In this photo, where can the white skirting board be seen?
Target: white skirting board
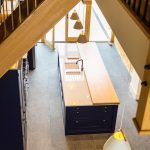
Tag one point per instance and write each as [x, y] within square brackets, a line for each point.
[135, 85]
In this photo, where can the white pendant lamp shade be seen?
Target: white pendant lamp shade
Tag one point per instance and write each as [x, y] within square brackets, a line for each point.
[117, 142]
[78, 25]
[74, 16]
[82, 38]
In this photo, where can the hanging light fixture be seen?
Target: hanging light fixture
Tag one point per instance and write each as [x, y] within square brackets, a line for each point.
[74, 15]
[78, 25]
[82, 37]
[118, 140]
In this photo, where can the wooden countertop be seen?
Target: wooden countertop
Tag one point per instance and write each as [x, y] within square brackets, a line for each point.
[93, 86]
[75, 88]
[100, 85]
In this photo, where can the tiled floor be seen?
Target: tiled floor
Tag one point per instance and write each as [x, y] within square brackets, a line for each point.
[45, 123]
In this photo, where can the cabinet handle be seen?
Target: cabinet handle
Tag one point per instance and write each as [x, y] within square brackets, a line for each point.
[77, 112]
[104, 120]
[77, 108]
[105, 111]
[147, 67]
[144, 83]
[77, 121]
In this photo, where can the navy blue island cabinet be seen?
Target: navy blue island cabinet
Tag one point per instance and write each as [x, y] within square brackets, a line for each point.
[89, 119]
[84, 119]
[13, 124]
[89, 100]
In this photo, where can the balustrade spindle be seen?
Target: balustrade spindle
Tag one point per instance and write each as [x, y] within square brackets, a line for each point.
[35, 3]
[147, 15]
[27, 7]
[137, 6]
[4, 20]
[12, 15]
[0, 13]
[143, 8]
[6, 11]
[19, 11]
[132, 4]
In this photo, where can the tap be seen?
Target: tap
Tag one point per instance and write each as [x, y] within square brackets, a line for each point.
[81, 63]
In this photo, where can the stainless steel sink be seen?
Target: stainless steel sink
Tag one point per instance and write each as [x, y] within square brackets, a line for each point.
[71, 67]
[72, 70]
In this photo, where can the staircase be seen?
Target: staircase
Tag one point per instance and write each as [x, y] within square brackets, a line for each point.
[132, 32]
[25, 25]
[141, 10]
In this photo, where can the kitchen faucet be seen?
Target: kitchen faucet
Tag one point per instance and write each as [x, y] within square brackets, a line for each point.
[81, 63]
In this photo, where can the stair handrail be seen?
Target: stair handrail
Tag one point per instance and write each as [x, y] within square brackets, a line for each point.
[7, 8]
[141, 10]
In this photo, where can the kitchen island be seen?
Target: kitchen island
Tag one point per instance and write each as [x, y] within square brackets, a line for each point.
[89, 100]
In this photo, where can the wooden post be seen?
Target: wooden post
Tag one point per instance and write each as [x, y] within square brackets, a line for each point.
[66, 27]
[53, 39]
[142, 120]
[112, 38]
[88, 19]
[67, 38]
[51, 44]
[43, 39]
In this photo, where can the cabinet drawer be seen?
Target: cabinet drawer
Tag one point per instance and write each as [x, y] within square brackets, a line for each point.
[90, 119]
[89, 112]
[86, 123]
[88, 126]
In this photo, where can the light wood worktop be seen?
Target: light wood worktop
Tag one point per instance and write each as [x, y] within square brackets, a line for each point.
[93, 86]
[100, 85]
[75, 88]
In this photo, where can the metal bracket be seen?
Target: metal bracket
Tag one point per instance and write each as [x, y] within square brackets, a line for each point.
[144, 83]
[147, 67]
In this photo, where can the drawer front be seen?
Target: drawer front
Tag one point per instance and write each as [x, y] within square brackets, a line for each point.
[86, 123]
[90, 112]
[90, 119]
[82, 126]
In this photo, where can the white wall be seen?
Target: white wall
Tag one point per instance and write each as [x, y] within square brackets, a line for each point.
[133, 40]
[135, 84]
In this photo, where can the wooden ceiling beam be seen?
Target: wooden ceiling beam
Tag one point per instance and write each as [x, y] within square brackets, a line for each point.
[142, 120]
